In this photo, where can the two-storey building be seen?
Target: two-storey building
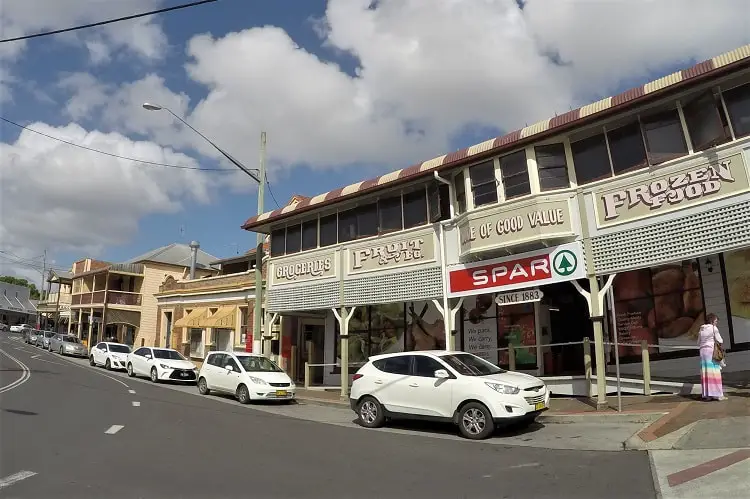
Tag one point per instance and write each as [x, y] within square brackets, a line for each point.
[55, 307]
[627, 219]
[116, 300]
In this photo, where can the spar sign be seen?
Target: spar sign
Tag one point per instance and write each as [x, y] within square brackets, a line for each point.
[547, 266]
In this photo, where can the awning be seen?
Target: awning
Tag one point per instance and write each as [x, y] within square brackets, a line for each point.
[196, 318]
[224, 318]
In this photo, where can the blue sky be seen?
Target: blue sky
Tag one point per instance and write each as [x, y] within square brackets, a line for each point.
[527, 89]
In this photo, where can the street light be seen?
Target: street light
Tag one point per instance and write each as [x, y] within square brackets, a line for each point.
[260, 178]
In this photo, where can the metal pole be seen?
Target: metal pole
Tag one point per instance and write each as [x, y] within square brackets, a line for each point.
[41, 289]
[611, 300]
[258, 314]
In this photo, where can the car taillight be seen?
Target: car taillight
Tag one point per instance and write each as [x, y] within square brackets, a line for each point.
[356, 377]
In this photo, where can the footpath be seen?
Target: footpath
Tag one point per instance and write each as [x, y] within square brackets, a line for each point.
[697, 449]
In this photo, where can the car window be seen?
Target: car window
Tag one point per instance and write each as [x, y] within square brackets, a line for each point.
[255, 364]
[394, 365]
[426, 366]
[49, 335]
[470, 365]
[119, 348]
[216, 359]
[160, 353]
[141, 351]
[70, 339]
[229, 361]
[101, 346]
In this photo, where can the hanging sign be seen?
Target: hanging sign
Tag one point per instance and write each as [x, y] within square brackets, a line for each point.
[520, 296]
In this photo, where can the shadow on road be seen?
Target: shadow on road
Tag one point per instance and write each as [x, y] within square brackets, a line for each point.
[20, 412]
[450, 429]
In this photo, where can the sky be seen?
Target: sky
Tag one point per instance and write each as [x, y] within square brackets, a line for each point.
[345, 90]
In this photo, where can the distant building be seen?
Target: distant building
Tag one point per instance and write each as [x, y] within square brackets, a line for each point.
[16, 306]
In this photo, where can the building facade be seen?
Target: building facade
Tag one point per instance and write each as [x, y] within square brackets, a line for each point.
[16, 306]
[55, 307]
[626, 220]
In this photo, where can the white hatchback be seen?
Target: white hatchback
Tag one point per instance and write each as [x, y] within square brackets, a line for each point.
[247, 376]
[455, 387]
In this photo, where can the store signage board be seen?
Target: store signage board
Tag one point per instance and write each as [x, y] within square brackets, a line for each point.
[384, 254]
[661, 194]
[551, 265]
[520, 296]
[298, 270]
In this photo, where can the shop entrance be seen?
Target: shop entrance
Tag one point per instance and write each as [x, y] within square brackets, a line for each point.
[569, 321]
[310, 347]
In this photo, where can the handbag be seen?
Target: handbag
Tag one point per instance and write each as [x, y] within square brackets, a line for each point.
[718, 354]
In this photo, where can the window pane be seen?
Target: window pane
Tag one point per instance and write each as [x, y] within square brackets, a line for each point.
[310, 234]
[293, 239]
[347, 225]
[626, 148]
[389, 212]
[738, 105]
[590, 159]
[415, 208]
[664, 137]
[552, 167]
[439, 203]
[397, 365]
[704, 123]
[460, 188]
[328, 230]
[367, 220]
[278, 242]
[426, 366]
[483, 184]
[515, 175]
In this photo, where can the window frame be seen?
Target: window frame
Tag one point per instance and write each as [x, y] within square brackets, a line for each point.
[563, 167]
[483, 183]
[524, 171]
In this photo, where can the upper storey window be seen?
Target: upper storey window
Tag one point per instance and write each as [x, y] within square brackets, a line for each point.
[552, 167]
[591, 159]
[483, 183]
[738, 107]
[706, 123]
[664, 138]
[460, 189]
[515, 174]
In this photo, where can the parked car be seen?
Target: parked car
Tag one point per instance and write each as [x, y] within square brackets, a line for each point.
[67, 344]
[35, 336]
[161, 364]
[20, 328]
[456, 387]
[4, 327]
[246, 376]
[46, 337]
[110, 355]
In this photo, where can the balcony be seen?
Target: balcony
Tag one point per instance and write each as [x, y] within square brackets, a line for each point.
[217, 283]
[95, 298]
[123, 298]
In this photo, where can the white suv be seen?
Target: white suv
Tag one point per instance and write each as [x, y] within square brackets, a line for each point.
[455, 387]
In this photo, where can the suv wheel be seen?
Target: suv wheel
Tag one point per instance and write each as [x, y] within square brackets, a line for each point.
[475, 421]
[370, 413]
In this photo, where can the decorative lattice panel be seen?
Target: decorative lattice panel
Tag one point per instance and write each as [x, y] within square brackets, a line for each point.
[711, 231]
[403, 286]
[310, 297]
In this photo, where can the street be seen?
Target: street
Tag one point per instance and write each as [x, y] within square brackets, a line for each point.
[69, 430]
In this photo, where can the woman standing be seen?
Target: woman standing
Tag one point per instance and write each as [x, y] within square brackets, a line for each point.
[708, 338]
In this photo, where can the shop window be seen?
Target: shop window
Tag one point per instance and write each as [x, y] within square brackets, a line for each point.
[479, 321]
[661, 305]
[278, 242]
[438, 201]
[196, 343]
[367, 220]
[515, 326]
[483, 183]
[591, 159]
[415, 208]
[460, 188]
[706, 122]
[347, 225]
[328, 230]
[626, 148]
[737, 101]
[664, 137]
[243, 325]
[515, 174]
[552, 167]
[373, 330]
[293, 239]
[389, 214]
[738, 291]
[310, 235]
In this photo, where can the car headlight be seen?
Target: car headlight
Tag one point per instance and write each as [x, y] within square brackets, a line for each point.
[505, 389]
[164, 366]
[257, 381]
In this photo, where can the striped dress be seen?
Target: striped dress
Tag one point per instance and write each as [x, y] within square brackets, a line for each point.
[711, 386]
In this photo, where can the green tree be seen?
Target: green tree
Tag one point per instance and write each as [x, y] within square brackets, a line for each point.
[22, 282]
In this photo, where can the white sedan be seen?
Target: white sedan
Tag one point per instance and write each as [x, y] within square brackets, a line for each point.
[110, 355]
[246, 376]
[161, 364]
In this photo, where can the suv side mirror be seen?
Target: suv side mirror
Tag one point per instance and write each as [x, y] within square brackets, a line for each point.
[228, 367]
[442, 374]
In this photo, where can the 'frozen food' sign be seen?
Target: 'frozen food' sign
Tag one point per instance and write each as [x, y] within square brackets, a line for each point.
[669, 191]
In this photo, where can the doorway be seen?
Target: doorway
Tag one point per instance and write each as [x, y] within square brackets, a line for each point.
[311, 347]
[569, 322]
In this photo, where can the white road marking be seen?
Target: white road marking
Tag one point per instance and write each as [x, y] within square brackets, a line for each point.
[16, 477]
[524, 465]
[131, 392]
[20, 381]
[136, 404]
[93, 369]
[36, 357]
[114, 429]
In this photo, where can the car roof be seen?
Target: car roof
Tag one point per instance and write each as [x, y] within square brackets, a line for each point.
[434, 353]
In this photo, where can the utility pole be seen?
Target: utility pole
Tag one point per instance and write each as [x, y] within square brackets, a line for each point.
[258, 313]
[41, 289]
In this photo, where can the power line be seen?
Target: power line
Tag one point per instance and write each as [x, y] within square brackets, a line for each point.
[99, 151]
[271, 193]
[110, 21]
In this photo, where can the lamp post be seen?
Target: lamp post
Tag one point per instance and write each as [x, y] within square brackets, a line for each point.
[260, 177]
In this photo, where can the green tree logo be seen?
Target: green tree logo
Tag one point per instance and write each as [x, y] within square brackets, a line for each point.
[565, 263]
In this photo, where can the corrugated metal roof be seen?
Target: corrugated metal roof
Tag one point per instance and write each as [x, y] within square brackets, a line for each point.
[175, 254]
[511, 140]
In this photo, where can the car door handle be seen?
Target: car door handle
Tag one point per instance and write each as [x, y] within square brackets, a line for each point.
[378, 381]
[413, 385]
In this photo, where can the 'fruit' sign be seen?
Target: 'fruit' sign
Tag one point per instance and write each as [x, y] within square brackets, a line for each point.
[559, 264]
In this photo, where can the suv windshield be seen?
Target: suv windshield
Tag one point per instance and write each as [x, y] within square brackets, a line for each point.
[168, 354]
[70, 339]
[253, 364]
[119, 348]
[470, 365]
[49, 334]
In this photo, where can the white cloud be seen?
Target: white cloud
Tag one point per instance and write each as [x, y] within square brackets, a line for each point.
[67, 199]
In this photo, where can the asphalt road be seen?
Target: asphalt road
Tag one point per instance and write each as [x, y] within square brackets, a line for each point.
[177, 445]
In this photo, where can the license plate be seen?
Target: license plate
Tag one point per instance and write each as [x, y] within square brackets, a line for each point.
[539, 406]
[281, 393]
